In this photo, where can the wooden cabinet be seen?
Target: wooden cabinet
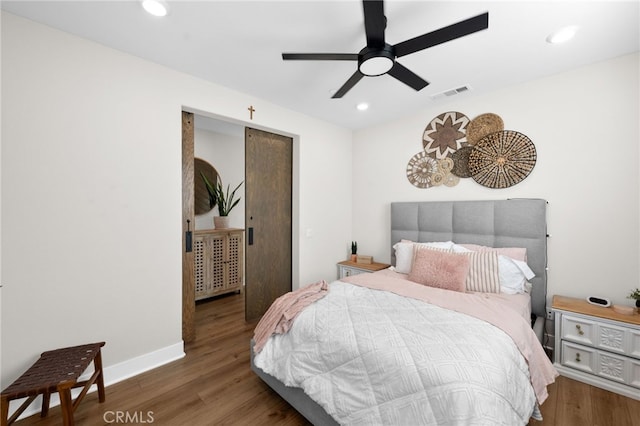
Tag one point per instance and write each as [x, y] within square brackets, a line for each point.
[597, 345]
[348, 268]
[219, 261]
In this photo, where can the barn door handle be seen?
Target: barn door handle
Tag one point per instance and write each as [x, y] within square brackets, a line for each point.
[250, 237]
[188, 236]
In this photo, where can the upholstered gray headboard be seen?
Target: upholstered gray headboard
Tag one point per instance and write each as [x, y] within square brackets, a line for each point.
[499, 223]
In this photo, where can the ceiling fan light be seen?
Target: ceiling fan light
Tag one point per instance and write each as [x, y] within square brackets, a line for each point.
[155, 7]
[376, 65]
[562, 35]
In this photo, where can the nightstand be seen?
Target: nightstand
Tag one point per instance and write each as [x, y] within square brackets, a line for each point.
[597, 345]
[348, 268]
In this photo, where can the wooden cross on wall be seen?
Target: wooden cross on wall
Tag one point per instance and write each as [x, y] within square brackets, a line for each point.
[251, 111]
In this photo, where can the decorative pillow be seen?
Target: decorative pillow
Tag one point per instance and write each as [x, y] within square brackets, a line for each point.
[513, 274]
[483, 273]
[517, 253]
[439, 269]
[405, 253]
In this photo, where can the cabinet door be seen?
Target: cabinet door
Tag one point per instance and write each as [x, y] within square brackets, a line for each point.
[209, 264]
[234, 261]
[215, 268]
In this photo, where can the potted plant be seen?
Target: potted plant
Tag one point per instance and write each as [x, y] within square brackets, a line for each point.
[225, 201]
[635, 294]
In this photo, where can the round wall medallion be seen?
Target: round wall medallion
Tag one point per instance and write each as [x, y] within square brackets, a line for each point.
[445, 134]
[483, 125]
[502, 159]
[445, 164]
[461, 162]
[451, 180]
[420, 170]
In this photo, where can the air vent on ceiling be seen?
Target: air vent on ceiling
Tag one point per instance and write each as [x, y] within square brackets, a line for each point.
[451, 92]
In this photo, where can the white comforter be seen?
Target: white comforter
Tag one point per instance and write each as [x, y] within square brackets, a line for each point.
[371, 357]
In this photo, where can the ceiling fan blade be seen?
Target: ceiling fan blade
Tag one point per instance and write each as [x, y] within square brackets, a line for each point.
[320, 56]
[374, 22]
[451, 32]
[348, 85]
[407, 76]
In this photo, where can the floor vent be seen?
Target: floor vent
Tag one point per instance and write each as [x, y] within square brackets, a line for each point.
[451, 92]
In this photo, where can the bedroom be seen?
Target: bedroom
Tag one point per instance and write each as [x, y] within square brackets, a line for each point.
[111, 122]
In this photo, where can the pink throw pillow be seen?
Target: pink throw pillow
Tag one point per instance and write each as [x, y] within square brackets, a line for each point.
[439, 269]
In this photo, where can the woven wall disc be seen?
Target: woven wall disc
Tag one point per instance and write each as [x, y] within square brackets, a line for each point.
[420, 170]
[461, 162]
[437, 178]
[451, 180]
[445, 164]
[483, 125]
[502, 159]
[445, 134]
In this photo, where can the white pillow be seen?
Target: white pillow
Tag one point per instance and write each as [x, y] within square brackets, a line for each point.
[405, 251]
[404, 257]
[514, 275]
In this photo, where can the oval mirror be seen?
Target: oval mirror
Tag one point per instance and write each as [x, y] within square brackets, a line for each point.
[201, 196]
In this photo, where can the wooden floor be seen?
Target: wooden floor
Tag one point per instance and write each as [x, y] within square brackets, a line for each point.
[213, 385]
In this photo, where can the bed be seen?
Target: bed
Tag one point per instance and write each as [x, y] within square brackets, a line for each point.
[381, 320]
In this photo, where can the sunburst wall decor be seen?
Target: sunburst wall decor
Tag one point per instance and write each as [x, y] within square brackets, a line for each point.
[456, 147]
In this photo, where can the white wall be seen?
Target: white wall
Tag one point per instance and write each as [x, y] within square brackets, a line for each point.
[91, 195]
[584, 124]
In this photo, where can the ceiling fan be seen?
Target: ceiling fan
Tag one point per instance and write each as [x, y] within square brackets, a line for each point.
[379, 58]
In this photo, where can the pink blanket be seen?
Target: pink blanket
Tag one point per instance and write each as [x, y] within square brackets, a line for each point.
[280, 316]
[541, 370]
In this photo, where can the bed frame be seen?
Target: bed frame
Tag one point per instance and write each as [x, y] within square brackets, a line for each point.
[498, 223]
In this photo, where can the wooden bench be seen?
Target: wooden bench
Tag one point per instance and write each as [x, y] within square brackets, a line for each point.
[56, 371]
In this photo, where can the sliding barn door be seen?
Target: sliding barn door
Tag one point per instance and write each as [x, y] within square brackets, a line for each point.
[268, 179]
[188, 224]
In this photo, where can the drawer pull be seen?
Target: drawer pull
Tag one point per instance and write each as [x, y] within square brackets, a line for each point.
[580, 332]
[577, 356]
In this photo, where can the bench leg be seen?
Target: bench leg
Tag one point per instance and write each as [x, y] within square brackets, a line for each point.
[97, 365]
[45, 404]
[66, 404]
[4, 411]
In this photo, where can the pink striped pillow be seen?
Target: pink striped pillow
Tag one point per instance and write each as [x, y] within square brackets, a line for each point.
[517, 253]
[483, 273]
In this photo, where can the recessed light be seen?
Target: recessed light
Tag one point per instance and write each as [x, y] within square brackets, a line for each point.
[562, 35]
[155, 7]
[362, 106]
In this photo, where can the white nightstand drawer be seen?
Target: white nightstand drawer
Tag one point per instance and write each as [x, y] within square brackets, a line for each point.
[634, 376]
[612, 338]
[578, 330]
[612, 367]
[347, 272]
[578, 357]
[634, 343]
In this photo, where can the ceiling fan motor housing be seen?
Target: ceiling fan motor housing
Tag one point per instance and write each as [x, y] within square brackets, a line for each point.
[376, 61]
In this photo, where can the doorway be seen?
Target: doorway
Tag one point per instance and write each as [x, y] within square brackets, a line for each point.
[189, 136]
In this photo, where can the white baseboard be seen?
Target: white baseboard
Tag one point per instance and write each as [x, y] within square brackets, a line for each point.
[112, 374]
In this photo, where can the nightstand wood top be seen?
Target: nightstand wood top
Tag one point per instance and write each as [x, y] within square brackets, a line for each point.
[375, 266]
[581, 306]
